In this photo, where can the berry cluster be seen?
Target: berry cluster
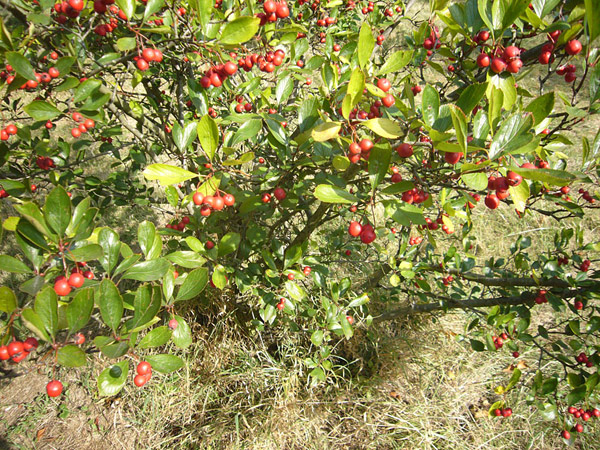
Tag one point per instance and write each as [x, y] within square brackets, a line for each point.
[211, 203]
[217, 74]
[180, 226]
[541, 297]
[148, 55]
[586, 196]
[44, 77]
[365, 232]
[17, 351]
[580, 414]
[84, 125]
[585, 265]
[359, 150]
[44, 162]
[568, 71]
[281, 304]
[242, 105]
[582, 358]
[503, 412]
[499, 340]
[266, 63]
[367, 9]
[5, 133]
[415, 195]
[144, 370]
[273, 11]
[63, 285]
[415, 240]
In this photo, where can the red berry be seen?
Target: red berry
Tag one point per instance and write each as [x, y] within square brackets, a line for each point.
[76, 280]
[4, 355]
[279, 194]
[30, 344]
[15, 348]
[140, 380]
[62, 288]
[573, 47]
[54, 388]
[173, 324]
[144, 368]
[565, 434]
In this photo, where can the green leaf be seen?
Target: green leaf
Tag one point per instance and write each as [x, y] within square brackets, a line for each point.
[155, 338]
[248, 130]
[20, 64]
[541, 107]
[46, 307]
[396, 62]
[85, 89]
[88, 252]
[34, 323]
[476, 181]
[194, 283]
[113, 379]
[41, 110]
[430, 105]
[514, 132]
[8, 300]
[229, 243]
[165, 363]
[10, 264]
[471, 96]
[519, 195]
[460, 126]
[186, 258]
[78, 216]
[385, 128]
[514, 379]
[437, 5]
[80, 309]
[172, 196]
[167, 174]
[346, 326]
[146, 234]
[125, 44]
[511, 10]
[592, 18]
[70, 356]
[359, 301]
[404, 214]
[205, 8]
[478, 346]
[183, 137]
[317, 337]
[152, 7]
[284, 89]
[110, 302]
[379, 162]
[57, 210]
[128, 7]
[146, 304]
[295, 291]
[111, 246]
[208, 134]
[111, 348]
[331, 194]
[576, 395]
[400, 187]
[182, 335]
[366, 44]
[239, 30]
[550, 176]
[147, 270]
[292, 256]
[326, 131]
[354, 92]
[219, 278]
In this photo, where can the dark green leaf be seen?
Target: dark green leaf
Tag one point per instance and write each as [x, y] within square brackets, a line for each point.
[70, 356]
[379, 162]
[79, 311]
[34, 323]
[111, 246]
[229, 243]
[85, 89]
[194, 283]
[186, 258]
[10, 264]
[155, 338]
[396, 62]
[46, 307]
[182, 335]
[147, 270]
[8, 300]
[20, 64]
[41, 110]
[165, 363]
[110, 302]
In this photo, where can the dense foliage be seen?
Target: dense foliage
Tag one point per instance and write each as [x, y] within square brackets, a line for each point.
[288, 148]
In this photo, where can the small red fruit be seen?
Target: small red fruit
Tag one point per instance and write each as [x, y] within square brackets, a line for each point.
[355, 229]
[79, 339]
[76, 280]
[30, 344]
[279, 194]
[62, 288]
[54, 388]
[15, 348]
[384, 84]
[173, 324]
[144, 368]
[573, 47]
[140, 380]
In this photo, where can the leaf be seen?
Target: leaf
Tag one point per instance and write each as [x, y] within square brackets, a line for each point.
[229, 243]
[78, 216]
[354, 92]
[326, 131]
[183, 137]
[112, 379]
[379, 162]
[514, 132]
[34, 323]
[385, 128]
[550, 176]
[317, 337]
[146, 304]
[85, 253]
[152, 6]
[155, 338]
[85, 89]
[125, 44]
[194, 283]
[111, 246]
[146, 234]
[514, 379]
[46, 307]
[110, 302]
[182, 335]
[165, 363]
[594, 84]
[110, 347]
[459, 121]
[10, 264]
[8, 300]
[478, 346]
[205, 8]
[219, 279]
[366, 44]
[331, 194]
[239, 30]
[208, 134]
[405, 214]
[57, 210]
[430, 105]
[396, 62]
[295, 291]
[346, 326]
[186, 258]
[20, 64]
[292, 256]
[576, 395]
[127, 6]
[167, 174]
[359, 301]
[592, 18]
[70, 356]
[476, 181]
[471, 96]
[147, 270]
[41, 110]
[248, 130]
[519, 195]
[79, 311]
[284, 89]
[541, 107]
[512, 11]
